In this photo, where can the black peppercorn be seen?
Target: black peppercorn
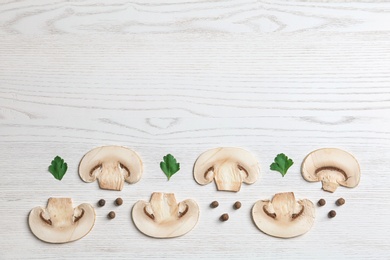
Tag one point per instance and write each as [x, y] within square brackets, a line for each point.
[119, 201]
[237, 205]
[332, 214]
[224, 217]
[101, 202]
[111, 215]
[321, 202]
[214, 204]
[340, 202]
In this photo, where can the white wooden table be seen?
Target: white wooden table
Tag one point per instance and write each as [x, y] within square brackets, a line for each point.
[166, 77]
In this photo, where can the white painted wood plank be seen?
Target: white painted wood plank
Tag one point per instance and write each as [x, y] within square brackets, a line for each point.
[170, 76]
[210, 17]
[166, 77]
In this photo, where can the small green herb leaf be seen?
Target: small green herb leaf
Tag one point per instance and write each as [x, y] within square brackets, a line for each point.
[58, 168]
[169, 166]
[282, 164]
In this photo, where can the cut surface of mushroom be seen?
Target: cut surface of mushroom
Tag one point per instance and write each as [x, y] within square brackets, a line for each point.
[163, 217]
[112, 166]
[333, 167]
[283, 216]
[59, 222]
[228, 167]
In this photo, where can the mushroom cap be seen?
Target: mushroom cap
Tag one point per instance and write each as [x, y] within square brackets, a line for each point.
[283, 216]
[59, 222]
[228, 166]
[333, 167]
[111, 165]
[163, 217]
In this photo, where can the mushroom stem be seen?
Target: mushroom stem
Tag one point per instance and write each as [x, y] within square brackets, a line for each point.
[329, 186]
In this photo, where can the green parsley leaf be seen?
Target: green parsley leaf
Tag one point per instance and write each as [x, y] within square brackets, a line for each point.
[281, 164]
[169, 166]
[58, 168]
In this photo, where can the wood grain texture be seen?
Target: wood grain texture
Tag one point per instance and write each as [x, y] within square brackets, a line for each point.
[166, 77]
[28, 146]
[216, 76]
[243, 16]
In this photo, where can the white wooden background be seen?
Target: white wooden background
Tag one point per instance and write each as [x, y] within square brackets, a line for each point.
[180, 77]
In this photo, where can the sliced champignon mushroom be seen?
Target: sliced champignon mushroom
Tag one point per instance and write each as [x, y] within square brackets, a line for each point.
[228, 166]
[283, 216]
[163, 217]
[333, 167]
[112, 166]
[59, 222]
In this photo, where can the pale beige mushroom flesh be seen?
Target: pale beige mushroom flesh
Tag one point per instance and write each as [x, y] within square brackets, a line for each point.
[59, 222]
[229, 167]
[283, 216]
[111, 166]
[163, 217]
[333, 167]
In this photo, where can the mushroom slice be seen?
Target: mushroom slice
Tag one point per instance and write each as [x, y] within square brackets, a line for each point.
[59, 222]
[163, 217]
[333, 167]
[112, 166]
[228, 166]
[283, 216]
